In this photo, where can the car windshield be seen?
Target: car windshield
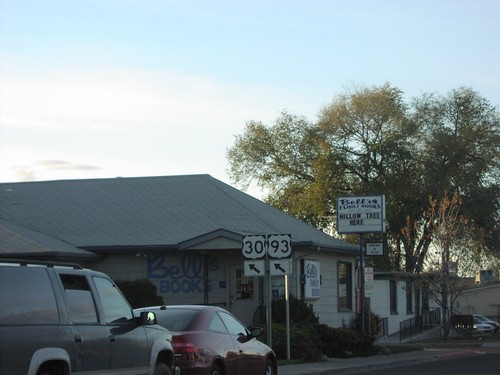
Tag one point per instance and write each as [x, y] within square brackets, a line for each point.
[176, 319]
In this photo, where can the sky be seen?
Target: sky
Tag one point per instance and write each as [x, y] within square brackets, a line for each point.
[128, 88]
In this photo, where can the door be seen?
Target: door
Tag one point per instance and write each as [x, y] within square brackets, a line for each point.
[250, 360]
[243, 295]
[90, 336]
[129, 349]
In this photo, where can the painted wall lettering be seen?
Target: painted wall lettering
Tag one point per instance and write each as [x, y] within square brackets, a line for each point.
[180, 275]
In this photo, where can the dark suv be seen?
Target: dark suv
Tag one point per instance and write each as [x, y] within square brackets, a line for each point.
[63, 319]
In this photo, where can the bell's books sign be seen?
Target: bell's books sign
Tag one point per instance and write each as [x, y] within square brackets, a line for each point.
[363, 214]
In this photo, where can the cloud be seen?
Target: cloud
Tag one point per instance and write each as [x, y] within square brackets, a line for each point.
[50, 169]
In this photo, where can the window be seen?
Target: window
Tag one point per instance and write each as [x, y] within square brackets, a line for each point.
[21, 302]
[217, 325]
[244, 285]
[116, 308]
[81, 307]
[409, 297]
[393, 296]
[344, 271]
[234, 327]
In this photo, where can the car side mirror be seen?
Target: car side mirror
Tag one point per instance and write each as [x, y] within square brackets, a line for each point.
[148, 318]
[256, 331]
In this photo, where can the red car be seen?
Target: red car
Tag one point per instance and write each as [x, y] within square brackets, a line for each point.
[208, 340]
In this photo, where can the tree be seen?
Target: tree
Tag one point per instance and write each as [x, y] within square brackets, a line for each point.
[455, 248]
[369, 141]
[462, 153]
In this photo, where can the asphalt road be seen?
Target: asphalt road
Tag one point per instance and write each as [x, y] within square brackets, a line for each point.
[480, 363]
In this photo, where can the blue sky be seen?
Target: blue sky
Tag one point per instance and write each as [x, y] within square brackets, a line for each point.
[107, 88]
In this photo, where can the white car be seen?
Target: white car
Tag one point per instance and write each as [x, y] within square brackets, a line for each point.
[485, 320]
[481, 327]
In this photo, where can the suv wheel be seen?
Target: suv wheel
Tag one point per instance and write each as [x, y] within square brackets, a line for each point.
[162, 369]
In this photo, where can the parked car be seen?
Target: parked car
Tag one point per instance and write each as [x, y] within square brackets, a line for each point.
[481, 327]
[484, 319]
[208, 340]
[63, 319]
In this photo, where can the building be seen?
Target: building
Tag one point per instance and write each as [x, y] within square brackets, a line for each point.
[184, 233]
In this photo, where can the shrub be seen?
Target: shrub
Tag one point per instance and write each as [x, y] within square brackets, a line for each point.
[344, 342]
[371, 322]
[140, 293]
[301, 312]
[304, 342]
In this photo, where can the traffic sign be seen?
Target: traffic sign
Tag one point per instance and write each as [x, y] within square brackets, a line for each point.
[279, 246]
[374, 248]
[254, 268]
[254, 246]
[280, 267]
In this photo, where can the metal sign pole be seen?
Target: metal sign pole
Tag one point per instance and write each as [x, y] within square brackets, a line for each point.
[269, 303]
[362, 282]
[287, 301]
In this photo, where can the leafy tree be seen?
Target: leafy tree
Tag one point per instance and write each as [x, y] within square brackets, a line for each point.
[368, 141]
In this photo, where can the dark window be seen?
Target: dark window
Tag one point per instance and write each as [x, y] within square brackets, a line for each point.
[344, 286]
[176, 319]
[393, 296]
[115, 306]
[26, 296]
[81, 306]
[409, 297]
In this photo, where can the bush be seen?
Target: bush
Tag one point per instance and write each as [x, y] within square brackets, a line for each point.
[301, 312]
[304, 342]
[344, 342]
[309, 339]
[371, 322]
[140, 293]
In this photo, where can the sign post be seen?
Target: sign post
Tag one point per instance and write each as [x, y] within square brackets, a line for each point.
[269, 256]
[359, 215]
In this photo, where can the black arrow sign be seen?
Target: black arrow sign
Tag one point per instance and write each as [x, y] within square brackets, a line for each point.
[253, 268]
[278, 267]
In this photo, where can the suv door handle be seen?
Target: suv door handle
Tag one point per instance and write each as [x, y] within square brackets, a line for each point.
[78, 338]
[112, 338]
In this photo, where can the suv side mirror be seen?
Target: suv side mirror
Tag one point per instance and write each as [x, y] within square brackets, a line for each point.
[148, 318]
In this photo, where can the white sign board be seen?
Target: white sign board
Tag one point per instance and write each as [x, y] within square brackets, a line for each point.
[279, 246]
[363, 214]
[254, 247]
[368, 281]
[312, 287]
[374, 248]
[280, 267]
[254, 267]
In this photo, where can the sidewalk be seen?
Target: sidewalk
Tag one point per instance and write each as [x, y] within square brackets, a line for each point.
[358, 364]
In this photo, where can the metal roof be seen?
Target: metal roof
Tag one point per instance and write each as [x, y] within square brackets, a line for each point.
[163, 211]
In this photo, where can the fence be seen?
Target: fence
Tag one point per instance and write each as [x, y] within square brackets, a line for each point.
[419, 324]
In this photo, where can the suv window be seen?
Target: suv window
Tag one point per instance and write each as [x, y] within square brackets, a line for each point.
[81, 306]
[26, 296]
[116, 308]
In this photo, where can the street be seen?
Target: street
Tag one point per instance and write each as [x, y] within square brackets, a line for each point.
[476, 364]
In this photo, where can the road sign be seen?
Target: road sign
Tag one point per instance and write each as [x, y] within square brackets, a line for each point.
[374, 248]
[280, 267]
[254, 246]
[254, 267]
[279, 246]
